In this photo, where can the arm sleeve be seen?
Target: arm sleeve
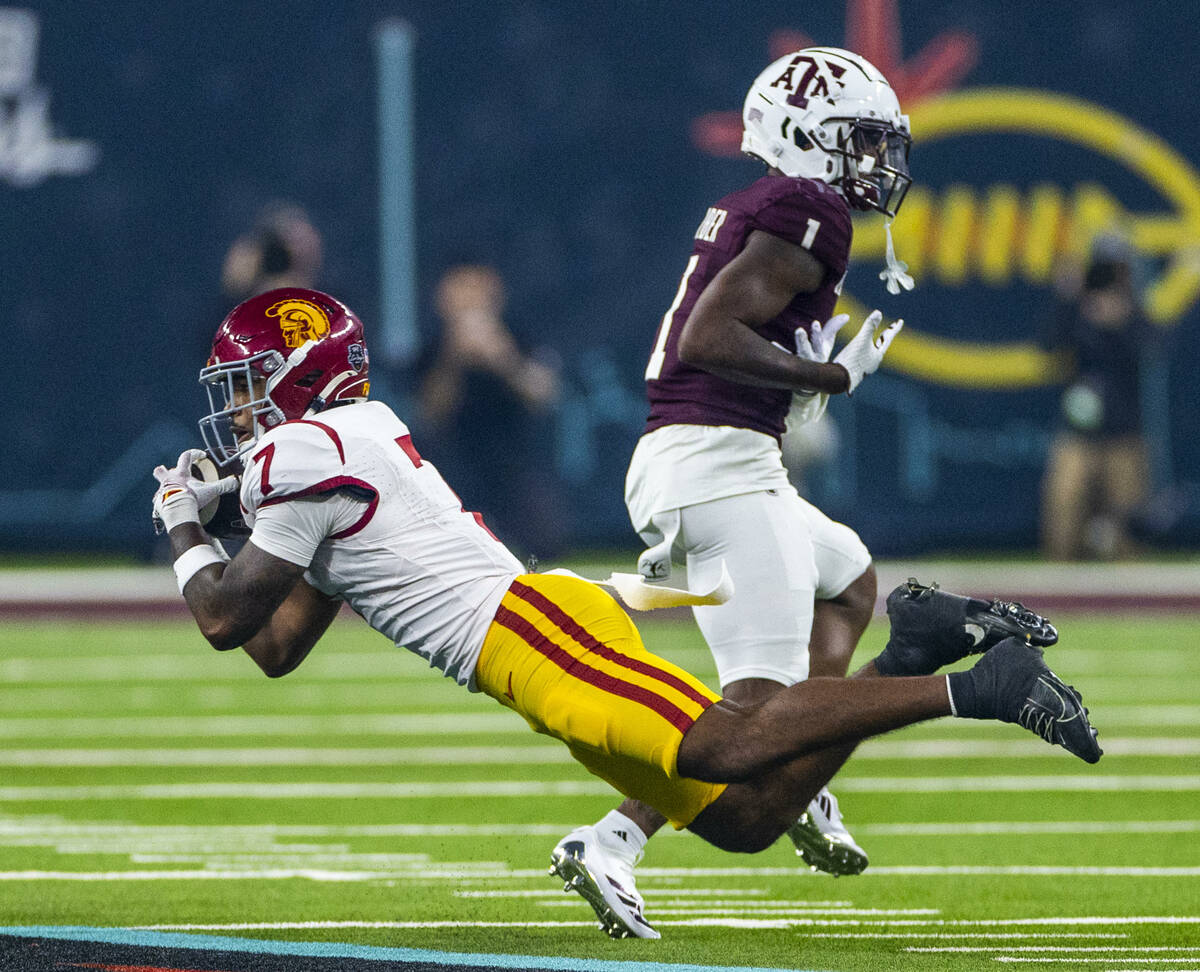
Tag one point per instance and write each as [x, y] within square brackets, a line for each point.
[293, 530]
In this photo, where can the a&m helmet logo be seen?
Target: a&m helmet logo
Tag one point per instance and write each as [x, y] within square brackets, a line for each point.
[300, 321]
[808, 77]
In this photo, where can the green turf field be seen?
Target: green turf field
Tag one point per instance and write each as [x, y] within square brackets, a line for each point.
[149, 781]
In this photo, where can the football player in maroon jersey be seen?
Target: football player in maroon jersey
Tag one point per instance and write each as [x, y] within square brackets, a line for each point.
[744, 334]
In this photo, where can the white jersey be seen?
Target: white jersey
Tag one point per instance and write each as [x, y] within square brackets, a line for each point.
[395, 542]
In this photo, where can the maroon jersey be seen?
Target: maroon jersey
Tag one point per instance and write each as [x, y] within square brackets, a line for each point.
[802, 211]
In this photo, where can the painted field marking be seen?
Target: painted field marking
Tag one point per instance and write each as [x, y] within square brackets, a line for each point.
[56, 828]
[490, 723]
[1018, 748]
[1016, 784]
[537, 754]
[1031, 827]
[293, 756]
[303, 791]
[649, 893]
[453, 871]
[1053, 948]
[23, 831]
[443, 722]
[973, 936]
[1107, 961]
[1173, 714]
[785, 909]
[199, 667]
[161, 940]
[530, 788]
[731, 922]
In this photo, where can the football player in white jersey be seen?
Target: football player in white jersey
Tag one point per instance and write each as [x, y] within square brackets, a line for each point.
[342, 508]
[706, 485]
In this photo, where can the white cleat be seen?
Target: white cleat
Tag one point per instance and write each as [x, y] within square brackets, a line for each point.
[822, 840]
[604, 879]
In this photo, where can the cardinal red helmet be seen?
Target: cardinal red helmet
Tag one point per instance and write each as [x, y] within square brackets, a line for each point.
[284, 354]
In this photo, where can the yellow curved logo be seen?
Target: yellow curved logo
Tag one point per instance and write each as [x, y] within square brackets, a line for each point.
[1002, 234]
[300, 321]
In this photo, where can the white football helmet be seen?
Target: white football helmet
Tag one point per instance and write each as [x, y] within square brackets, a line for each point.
[825, 113]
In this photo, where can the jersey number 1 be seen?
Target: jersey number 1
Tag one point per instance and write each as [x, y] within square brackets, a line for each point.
[810, 234]
[659, 355]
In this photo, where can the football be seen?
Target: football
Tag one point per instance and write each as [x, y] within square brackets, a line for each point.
[221, 517]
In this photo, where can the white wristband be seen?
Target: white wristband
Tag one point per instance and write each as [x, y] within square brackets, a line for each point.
[193, 560]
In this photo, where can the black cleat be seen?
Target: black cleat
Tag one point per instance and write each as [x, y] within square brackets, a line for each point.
[932, 628]
[1012, 683]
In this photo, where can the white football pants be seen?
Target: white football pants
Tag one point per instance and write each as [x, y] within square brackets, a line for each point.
[782, 553]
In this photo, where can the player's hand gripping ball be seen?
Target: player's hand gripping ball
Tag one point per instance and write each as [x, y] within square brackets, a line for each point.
[222, 515]
[193, 492]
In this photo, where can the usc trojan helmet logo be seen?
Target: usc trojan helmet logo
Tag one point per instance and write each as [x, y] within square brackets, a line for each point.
[300, 321]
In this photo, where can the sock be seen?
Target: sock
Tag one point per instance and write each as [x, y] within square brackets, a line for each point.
[964, 699]
[622, 833]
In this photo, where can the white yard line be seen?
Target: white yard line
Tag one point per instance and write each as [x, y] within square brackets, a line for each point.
[531, 788]
[1056, 934]
[425, 870]
[1016, 784]
[1030, 827]
[1051, 948]
[15, 831]
[537, 754]
[548, 753]
[1193, 958]
[488, 722]
[304, 791]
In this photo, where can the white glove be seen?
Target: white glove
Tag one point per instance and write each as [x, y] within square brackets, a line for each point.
[866, 349]
[816, 344]
[181, 495]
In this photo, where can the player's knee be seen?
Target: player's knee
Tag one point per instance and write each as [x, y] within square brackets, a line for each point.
[855, 606]
[719, 747]
[740, 822]
[859, 597]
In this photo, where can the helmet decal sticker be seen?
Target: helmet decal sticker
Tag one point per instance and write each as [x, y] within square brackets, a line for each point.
[813, 82]
[299, 320]
[356, 355]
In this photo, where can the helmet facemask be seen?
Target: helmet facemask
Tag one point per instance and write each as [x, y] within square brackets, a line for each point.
[874, 162]
[232, 388]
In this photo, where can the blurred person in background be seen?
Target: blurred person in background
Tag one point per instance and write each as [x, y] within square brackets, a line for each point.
[808, 447]
[485, 407]
[1097, 473]
[749, 329]
[283, 249]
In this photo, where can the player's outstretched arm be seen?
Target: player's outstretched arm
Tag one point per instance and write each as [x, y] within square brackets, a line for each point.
[720, 335]
[256, 601]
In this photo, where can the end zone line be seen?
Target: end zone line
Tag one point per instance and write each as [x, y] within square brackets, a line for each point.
[128, 936]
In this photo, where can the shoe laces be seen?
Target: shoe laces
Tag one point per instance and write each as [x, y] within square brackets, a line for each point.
[1018, 612]
[1037, 720]
[917, 590]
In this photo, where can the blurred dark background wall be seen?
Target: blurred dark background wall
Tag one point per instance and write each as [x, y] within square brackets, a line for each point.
[571, 147]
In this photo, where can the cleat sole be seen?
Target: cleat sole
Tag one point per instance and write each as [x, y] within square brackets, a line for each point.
[577, 878]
